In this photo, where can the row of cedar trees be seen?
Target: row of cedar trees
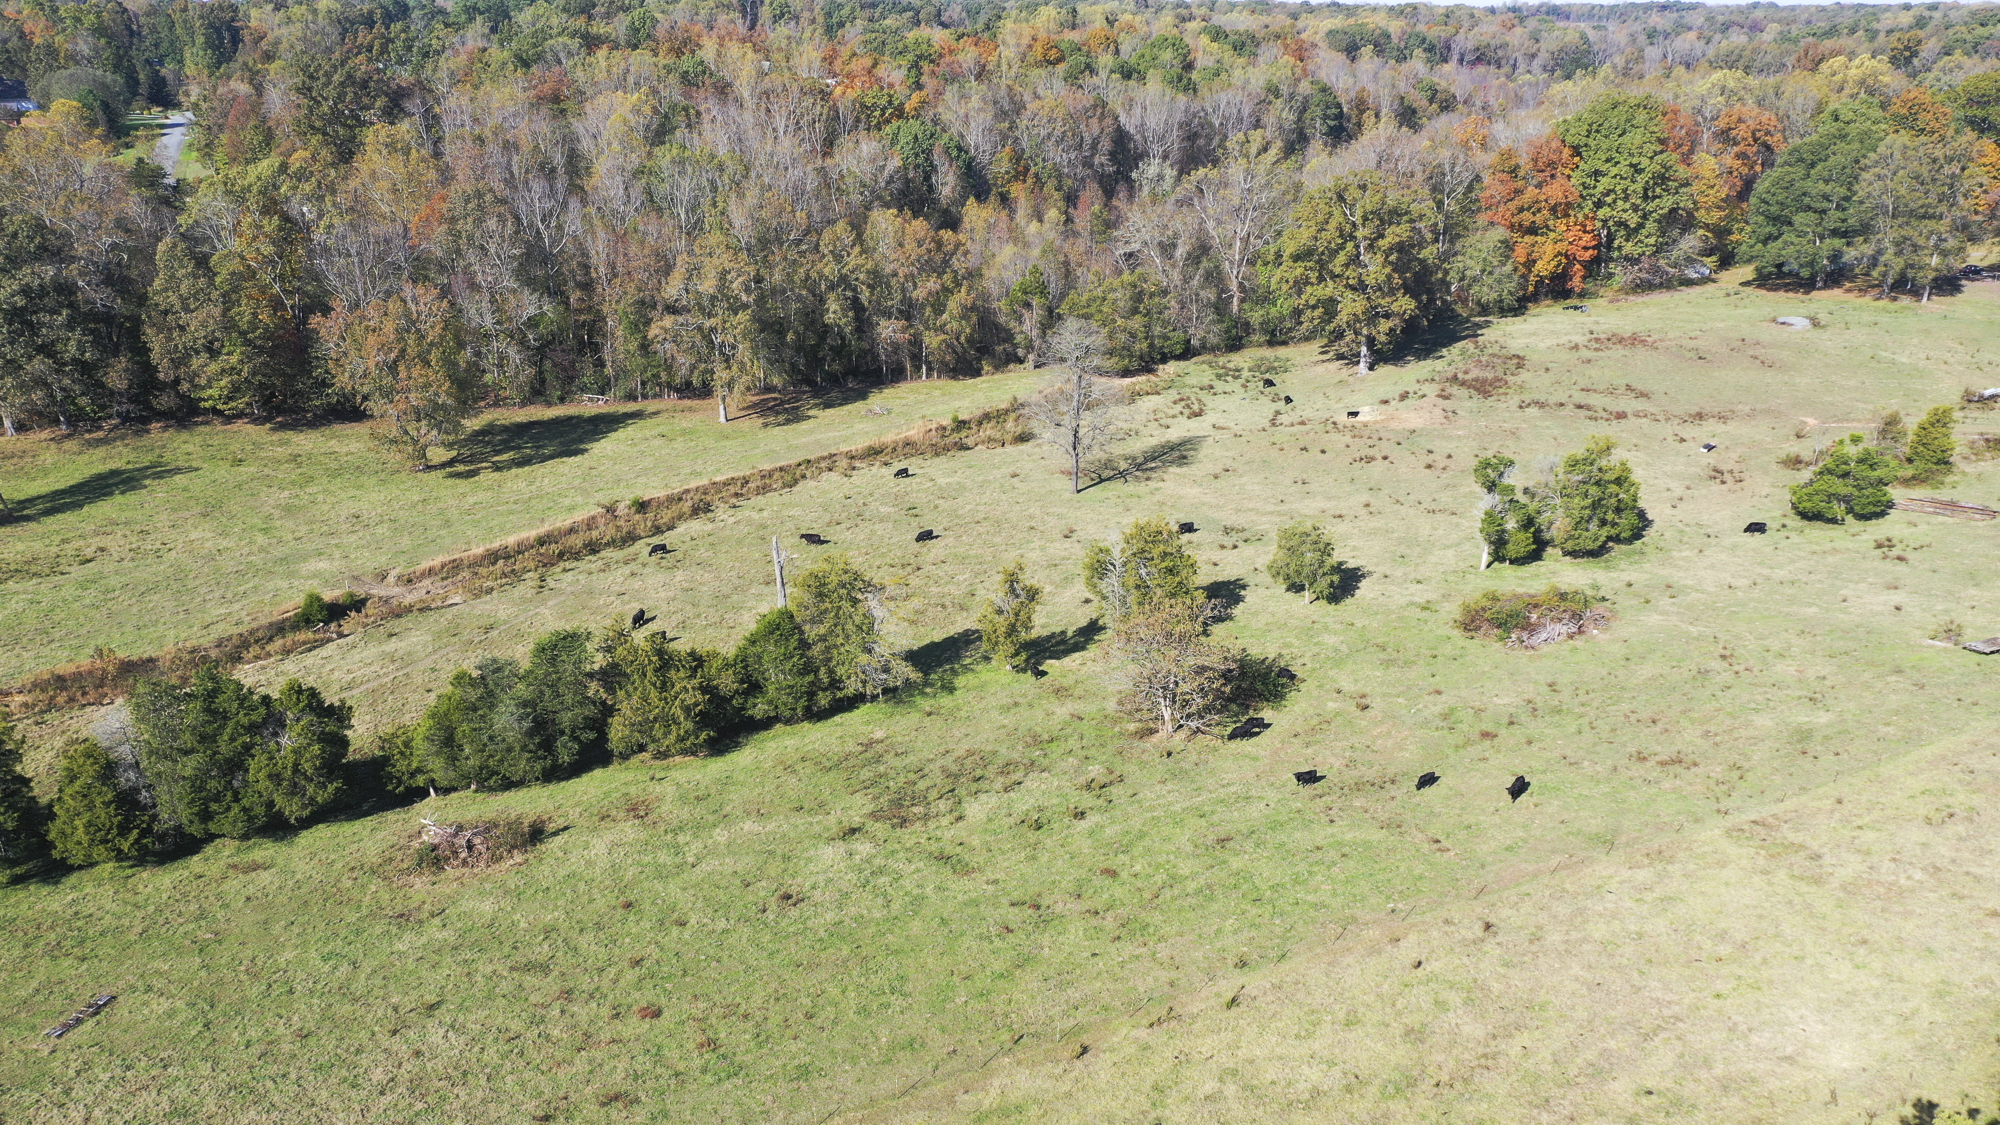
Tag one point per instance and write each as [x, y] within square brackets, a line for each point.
[419, 222]
[216, 758]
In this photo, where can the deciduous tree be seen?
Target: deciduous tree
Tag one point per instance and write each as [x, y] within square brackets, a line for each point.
[1356, 267]
[405, 359]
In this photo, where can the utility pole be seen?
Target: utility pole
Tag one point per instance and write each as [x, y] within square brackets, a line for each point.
[778, 564]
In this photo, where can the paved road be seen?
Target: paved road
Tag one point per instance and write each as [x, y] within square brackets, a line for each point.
[167, 153]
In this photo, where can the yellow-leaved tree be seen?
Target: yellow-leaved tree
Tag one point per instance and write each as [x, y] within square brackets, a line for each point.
[404, 358]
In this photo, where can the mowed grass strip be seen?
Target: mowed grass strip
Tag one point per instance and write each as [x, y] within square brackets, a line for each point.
[139, 540]
[909, 888]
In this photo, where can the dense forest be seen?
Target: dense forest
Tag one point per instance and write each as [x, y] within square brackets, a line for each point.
[421, 210]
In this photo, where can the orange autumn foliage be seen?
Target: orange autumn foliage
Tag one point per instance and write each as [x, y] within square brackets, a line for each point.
[1532, 198]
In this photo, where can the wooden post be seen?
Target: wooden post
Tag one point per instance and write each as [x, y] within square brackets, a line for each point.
[778, 563]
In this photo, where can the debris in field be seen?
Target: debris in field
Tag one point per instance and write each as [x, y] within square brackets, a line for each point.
[1546, 627]
[1795, 321]
[1708, 447]
[1987, 647]
[82, 1014]
[1951, 508]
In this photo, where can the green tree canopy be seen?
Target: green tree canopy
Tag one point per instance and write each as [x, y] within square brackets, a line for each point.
[1626, 175]
[1932, 444]
[782, 681]
[669, 700]
[1805, 219]
[1853, 480]
[1008, 619]
[1147, 567]
[1307, 561]
[841, 612]
[1356, 266]
[1596, 501]
[94, 821]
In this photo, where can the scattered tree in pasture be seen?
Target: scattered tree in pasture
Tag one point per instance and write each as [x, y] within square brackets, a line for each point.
[1146, 567]
[841, 612]
[781, 680]
[1853, 480]
[1307, 561]
[1176, 677]
[1596, 501]
[1932, 444]
[1008, 619]
[1355, 266]
[93, 820]
[405, 359]
[1076, 411]
[1510, 524]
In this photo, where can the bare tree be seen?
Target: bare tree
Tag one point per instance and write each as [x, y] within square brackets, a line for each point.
[1077, 411]
[1157, 119]
[1240, 204]
[1173, 673]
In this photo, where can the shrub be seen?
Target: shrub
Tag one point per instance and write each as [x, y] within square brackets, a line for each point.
[1852, 481]
[1009, 618]
[95, 821]
[1305, 561]
[1596, 501]
[1892, 433]
[313, 611]
[1932, 445]
[1493, 614]
[558, 696]
[669, 700]
[498, 724]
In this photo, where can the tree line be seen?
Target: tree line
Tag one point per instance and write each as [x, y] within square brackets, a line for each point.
[417, 213]
[212, 757]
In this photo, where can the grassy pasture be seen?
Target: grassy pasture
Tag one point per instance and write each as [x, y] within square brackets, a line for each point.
[138, 540]
[920, 909]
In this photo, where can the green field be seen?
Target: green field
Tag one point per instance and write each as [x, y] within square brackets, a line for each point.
[139, 540]
[1749, 883]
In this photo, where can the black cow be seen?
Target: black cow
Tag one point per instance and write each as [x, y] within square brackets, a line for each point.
[639, 617]
[1188, 529]
[926, 535]
[815, 540]
[1426, 781]
[1270, 382]
[1757, 528]
[657, 549]
[1287, 675]
[1308, 777]
[901, 473]
[1288, 400]
[1708, 447]
[1249, 728]
[1519, 786]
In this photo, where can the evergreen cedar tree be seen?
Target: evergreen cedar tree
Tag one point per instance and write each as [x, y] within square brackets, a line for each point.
[500, 723]
[1007, 621]
[1306, 561]
[1932, 444]
[1587, 504]
[94, 820]
[627, 221]
[1853, 480]
[1147, 567]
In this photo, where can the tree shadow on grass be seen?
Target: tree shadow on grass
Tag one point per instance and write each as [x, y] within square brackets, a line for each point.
[1437, 337]
[101, 485]
[1144, 464]
[1225, 594]
[1063, 643]
[793, 407]
[944, 660]
[500, 446]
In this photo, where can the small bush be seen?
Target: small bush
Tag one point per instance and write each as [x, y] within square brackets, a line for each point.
[313, 611]
[1852, 481]
[1493, 614]
[1949, 631]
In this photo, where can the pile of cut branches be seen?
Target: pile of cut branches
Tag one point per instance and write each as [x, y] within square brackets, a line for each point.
[1530, 620]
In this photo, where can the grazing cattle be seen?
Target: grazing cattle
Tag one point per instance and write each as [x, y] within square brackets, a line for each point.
[926, 535]
[1188, 529]
[815, 540]
[1354, 414]
[639, 617]
[657, 550]
[901, 473]
[1308, 777]
[1287, 675]
[1708, 447]
[1249, 728]
[1288, 400]
[1270, 382]
[1757, 528]
[1519, 787]
[1426, 781]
